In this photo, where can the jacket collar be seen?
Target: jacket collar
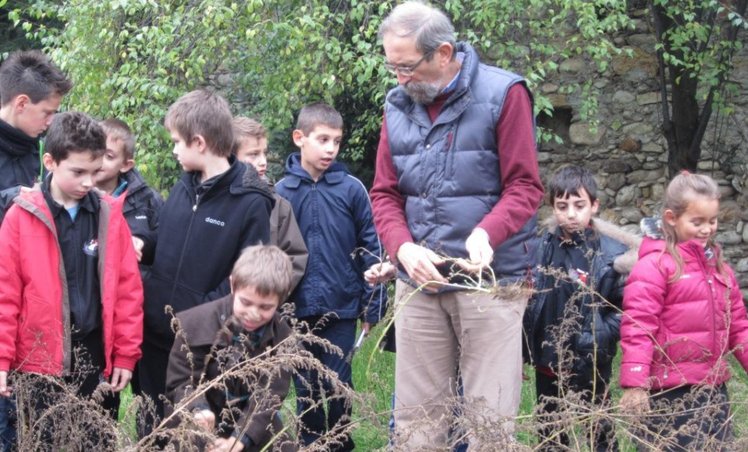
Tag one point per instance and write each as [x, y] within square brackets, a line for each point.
[622, 263]
[296, 174]
[239, 178]
[222, 316]
[89, 203]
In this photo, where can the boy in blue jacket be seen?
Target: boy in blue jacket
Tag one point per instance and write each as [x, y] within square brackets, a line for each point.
[334, 214]
[217, 208]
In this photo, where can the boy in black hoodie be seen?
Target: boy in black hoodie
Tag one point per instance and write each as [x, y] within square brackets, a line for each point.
[217, 208]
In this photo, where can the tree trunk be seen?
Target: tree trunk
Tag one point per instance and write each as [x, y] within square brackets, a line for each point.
[682, 154]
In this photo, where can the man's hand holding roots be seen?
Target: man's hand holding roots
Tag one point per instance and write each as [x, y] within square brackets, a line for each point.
[420, 264]
[480, 252]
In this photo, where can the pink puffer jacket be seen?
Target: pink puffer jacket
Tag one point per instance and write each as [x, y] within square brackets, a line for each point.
[680, 333]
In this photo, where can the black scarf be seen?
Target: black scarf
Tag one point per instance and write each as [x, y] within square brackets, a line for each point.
[15, 143]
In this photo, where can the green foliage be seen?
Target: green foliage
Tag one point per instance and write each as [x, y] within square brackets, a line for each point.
[534, 37]
[132, 58]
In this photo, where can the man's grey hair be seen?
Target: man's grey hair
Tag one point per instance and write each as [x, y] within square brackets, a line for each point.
[430, 26]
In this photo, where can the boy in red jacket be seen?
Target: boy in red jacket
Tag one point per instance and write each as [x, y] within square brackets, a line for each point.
[71, 300]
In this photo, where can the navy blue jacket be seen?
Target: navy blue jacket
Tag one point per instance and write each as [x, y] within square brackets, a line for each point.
[202, 230]
[334, 216]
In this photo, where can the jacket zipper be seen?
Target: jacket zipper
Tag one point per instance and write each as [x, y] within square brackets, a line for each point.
[184, 248]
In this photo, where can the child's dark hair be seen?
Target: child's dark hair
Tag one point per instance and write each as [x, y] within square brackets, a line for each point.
[74, 131]
[569, 180]
[316, 114]
[205, 113]
[33, 74]
[118, 130]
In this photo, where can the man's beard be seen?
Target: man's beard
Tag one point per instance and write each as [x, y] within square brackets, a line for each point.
[422, 92]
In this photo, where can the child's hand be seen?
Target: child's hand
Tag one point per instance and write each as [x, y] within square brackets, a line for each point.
[4, 389]
[120, 378]
[635, 401]
[205, 419]
[138, 245]
[379, 273]
[226, 445]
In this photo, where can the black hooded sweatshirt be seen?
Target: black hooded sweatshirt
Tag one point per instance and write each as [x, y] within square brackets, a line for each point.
[203, 227]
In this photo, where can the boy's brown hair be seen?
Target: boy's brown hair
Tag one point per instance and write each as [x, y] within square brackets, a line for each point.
[33, 74]
[247, 127]
[266, 268]
[205, 113]
[316, 114]
[118, 130]
[73, 131]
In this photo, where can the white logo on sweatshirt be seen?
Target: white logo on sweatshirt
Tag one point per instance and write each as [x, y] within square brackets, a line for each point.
[215, 222]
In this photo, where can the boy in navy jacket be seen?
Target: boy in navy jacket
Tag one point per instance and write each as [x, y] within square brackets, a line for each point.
[217, 208]
[334, 215]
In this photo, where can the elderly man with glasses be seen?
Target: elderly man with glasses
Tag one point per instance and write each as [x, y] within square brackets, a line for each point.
[454, 197]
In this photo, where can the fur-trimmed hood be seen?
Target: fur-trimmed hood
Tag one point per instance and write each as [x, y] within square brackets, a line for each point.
[623, 263]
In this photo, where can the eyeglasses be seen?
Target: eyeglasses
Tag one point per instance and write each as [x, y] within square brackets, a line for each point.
[406, 71]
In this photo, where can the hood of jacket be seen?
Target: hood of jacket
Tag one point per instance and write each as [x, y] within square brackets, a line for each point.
[240, 179]
[333, 175]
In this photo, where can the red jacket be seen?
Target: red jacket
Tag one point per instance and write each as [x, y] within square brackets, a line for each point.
[680, 333]
[34, 306]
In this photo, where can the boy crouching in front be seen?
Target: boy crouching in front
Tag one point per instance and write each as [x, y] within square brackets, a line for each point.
[216, 338]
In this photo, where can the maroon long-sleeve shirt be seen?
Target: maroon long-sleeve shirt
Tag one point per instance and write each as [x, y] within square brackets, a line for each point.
[522, 190]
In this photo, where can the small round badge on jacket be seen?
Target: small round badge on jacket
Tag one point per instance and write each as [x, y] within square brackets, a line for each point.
[91, 248]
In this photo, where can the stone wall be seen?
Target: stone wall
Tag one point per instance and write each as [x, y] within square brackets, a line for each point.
[627, 151]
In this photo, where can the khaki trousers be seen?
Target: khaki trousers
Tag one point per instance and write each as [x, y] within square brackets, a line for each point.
[440, 335]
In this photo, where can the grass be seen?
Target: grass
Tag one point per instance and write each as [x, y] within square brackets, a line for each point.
[373, 376]
[377, 380]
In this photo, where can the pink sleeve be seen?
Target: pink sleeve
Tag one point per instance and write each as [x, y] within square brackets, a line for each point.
[388, 205]
[522, 189]
[643, 301]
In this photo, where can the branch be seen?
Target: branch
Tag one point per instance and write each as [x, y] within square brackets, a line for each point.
[667, 127]
[724, 65]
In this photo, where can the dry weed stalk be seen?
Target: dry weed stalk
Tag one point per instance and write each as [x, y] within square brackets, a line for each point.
[74, 423]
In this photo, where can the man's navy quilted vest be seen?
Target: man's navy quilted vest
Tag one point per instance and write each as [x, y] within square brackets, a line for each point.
[448, 170]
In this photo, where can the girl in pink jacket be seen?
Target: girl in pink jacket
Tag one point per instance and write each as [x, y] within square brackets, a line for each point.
[683, 315]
